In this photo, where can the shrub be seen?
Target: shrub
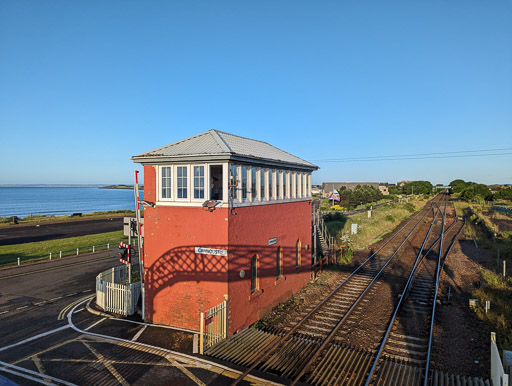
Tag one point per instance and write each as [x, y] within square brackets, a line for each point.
[390, 218]
[409, 207]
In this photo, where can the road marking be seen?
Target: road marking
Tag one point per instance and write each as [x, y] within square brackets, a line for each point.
[51, 300]
[107, 364]
[76, 293]
[94, 324]
[185, 371]
[20, 308]
[58, 267]
[39, 304]
[62, 314]
[155, 350]
[25, 376]
[3, 312]
[35, 337]
[40, 379]
[86, 291]
[79, 310]
[138, 334]
[40, 367]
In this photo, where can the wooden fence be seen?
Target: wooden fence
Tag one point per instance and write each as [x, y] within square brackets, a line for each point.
[213, 326]
[114, 293]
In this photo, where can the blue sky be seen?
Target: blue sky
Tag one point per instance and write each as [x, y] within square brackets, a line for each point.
[85, 85]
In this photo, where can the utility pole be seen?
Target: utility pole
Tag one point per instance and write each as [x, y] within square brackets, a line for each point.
[139, 228]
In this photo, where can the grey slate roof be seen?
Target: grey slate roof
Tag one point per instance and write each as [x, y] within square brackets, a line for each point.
[219, 144]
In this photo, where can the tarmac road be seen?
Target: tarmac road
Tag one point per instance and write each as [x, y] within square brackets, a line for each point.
[18, 234]
[48, 336]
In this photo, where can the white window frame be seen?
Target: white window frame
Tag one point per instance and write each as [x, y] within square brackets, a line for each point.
[187, 199]
[160, 185]
[206, 182]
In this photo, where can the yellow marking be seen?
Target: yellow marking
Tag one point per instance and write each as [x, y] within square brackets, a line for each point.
[40, 367]
[185, 371]
[54, 268]
[44, 351]
[62, 314]
[107, 364]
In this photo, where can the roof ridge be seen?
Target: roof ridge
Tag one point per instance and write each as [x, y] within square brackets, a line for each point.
[223, 145]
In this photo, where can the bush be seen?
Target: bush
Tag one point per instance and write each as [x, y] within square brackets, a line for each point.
[390, 218]
[409, 207]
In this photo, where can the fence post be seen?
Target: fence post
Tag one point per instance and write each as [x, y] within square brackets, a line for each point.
[18, 261]
[50, 255]
[113, 273]
[77, 251]
[93, 249]
[60, 255]
[108, 246]
[225, 319]
[504, 268]
[201, 334]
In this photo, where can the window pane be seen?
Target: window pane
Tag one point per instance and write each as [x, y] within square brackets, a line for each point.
[166, 182]
[232, 182]
[279, 268]
[244, 182]
[270, 175]
[182, 181]
[254, 273]
[262, 183]
[198, 182]
[253, 183]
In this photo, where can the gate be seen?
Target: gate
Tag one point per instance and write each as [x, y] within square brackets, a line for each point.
[114, 293]
[213, 326]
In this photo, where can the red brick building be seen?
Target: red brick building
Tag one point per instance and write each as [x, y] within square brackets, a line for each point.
[232, 220]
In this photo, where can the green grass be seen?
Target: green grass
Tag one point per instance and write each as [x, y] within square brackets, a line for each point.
[7, 221]
[384, 219]
[41, 249]
[498, 290]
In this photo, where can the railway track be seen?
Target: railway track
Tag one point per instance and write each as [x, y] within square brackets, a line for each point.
[347, 338]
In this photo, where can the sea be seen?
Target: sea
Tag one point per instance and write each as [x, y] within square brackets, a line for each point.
[49, 200]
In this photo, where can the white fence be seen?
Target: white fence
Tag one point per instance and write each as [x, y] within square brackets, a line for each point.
[213, 326]
[114, 293]
[498, 375]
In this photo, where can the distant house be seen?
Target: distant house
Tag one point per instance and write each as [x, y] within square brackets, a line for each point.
[231, 220]
[327, 187]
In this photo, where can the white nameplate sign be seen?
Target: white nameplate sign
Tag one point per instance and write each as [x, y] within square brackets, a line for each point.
[212, 251]
[272, 241]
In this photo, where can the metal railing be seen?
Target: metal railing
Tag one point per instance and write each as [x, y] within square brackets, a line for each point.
[115, 293]
[60, 254]
[213, 326]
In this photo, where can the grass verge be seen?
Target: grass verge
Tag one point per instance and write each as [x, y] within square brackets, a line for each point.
[41, 250]
[7, 221]
[371, 230]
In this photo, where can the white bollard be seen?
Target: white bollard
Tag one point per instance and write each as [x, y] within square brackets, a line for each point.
[108, 246]
[504, 268]
[18, 261]
[60, 255]
[50, 255]
[77, 251]
[93, 248]
[487, 305]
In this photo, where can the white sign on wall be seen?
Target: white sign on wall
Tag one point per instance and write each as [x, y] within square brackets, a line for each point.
[272, 241]
[211, 251]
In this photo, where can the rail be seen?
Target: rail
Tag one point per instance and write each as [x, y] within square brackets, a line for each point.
[273, 347]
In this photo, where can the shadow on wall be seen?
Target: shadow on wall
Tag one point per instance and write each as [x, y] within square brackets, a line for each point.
[183, 264]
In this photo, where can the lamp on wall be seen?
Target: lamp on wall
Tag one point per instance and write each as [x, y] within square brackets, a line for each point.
[146, 203]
